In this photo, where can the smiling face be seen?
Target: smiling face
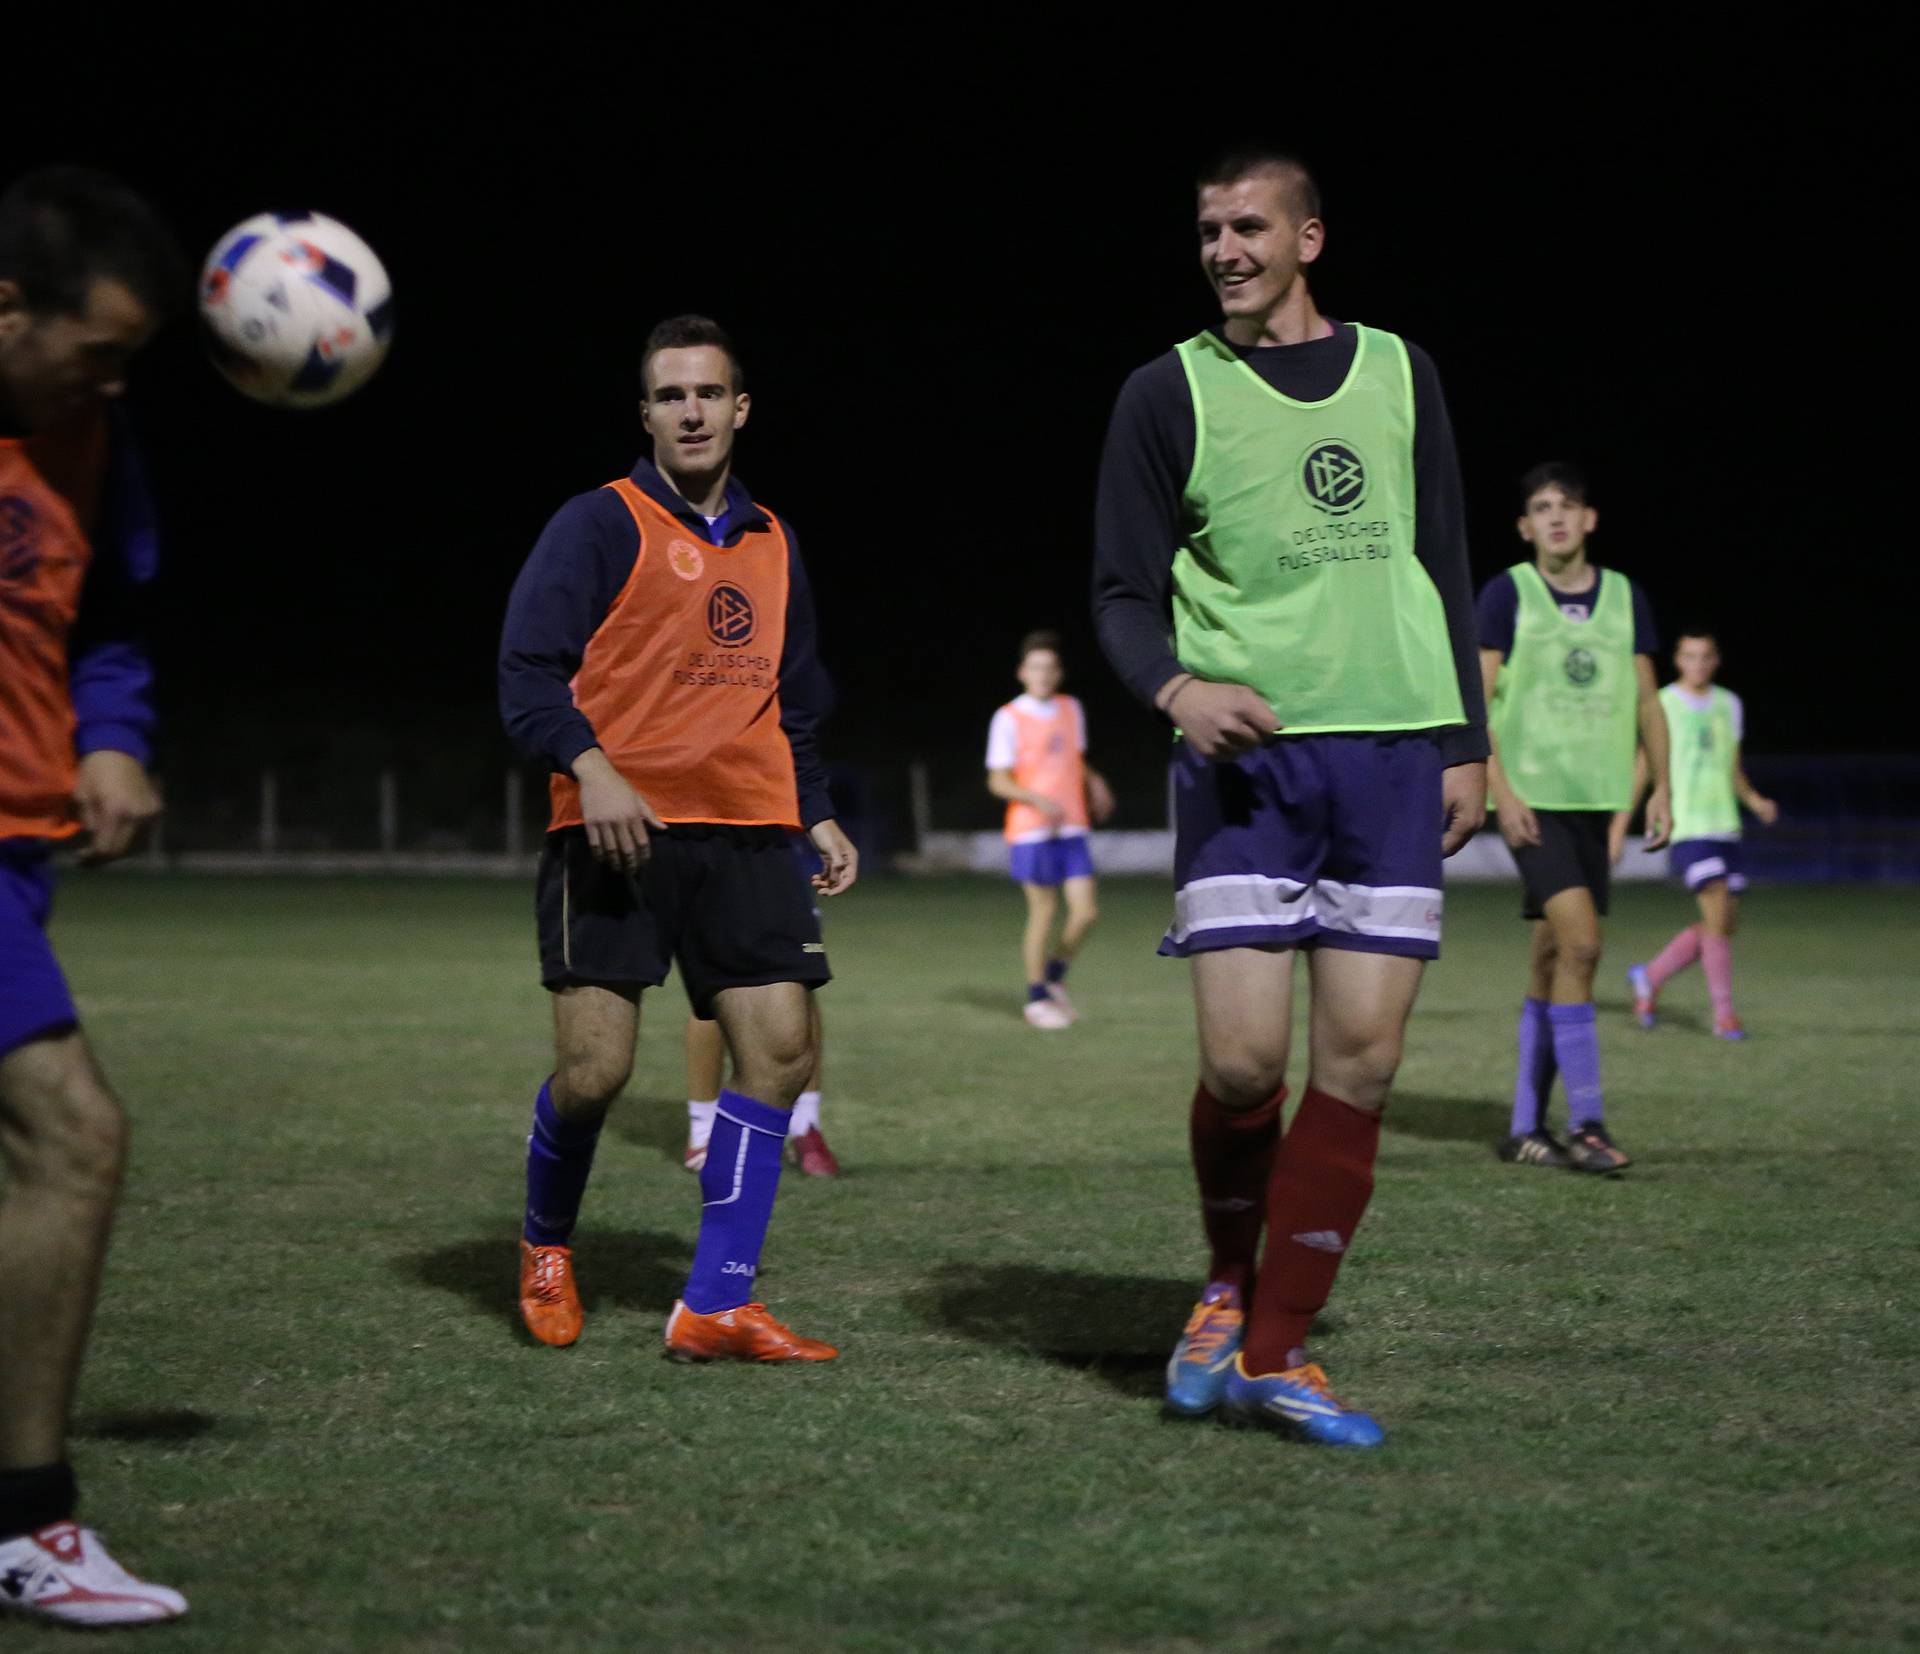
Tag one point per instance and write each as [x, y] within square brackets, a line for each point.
[1041, 673]
[1696, 659]
[1555, 523]
[53, 363]
[692, 409]
[1253, 250]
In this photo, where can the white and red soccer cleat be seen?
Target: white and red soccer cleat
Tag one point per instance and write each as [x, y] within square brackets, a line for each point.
[1044, 1013]
[63, 1573]
[810, 1153]
[1057, 992]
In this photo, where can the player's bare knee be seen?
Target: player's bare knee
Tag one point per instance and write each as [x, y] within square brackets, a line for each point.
[1243, 1080]
[76, 1139]
[585, 1083]
[1580, 954]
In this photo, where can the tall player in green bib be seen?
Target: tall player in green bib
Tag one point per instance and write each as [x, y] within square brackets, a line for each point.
[1567, 651]
[1281, 494]
[1705, 726]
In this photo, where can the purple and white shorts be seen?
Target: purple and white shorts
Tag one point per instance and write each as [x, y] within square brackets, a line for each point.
[1699, 861]
[1314, 840]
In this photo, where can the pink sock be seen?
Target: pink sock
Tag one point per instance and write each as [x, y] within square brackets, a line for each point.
[1716, 959]
[1675, 957]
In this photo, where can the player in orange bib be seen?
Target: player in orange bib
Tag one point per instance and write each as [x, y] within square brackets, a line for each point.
[1036, 761]
[86, 275]
[659, 654]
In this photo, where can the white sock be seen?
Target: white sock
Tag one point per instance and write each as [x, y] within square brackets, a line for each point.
[806, 1114]
[700, 1122]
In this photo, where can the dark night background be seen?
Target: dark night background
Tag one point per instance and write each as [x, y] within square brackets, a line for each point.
[1677, 278]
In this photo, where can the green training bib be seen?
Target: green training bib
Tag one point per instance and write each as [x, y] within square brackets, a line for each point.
[1297, 575]
[1704, 747]
[1564, 711]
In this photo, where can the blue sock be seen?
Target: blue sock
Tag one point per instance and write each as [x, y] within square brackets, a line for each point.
[1533, 1078]
[1036, 991]
[737, 1186]
[1576, 1047]
[559, 1157]
[1056, 970]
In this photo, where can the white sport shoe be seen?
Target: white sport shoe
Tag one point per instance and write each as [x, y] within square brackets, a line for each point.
[63, 1573]
[1057, 992]
[1043, 1013]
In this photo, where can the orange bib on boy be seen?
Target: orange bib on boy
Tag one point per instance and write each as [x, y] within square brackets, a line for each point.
[50, 489]
[1048, 761]
[682, 680]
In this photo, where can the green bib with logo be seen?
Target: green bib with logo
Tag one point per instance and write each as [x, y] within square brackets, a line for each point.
[1297, 575]
[1703, 747]
[1565, 706]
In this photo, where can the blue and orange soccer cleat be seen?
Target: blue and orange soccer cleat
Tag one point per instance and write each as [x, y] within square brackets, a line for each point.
[1643, 994]
[1197, 1373]
[1295, 1403]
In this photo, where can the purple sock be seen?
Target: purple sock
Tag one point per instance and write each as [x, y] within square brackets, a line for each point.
[1533, 1077]
[737, 1186]
[559, 1157]
[1576, 1047]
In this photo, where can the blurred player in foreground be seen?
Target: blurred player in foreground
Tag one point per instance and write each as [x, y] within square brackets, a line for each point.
[1037, 762]
[86, 275]
[1567, 649]
[659, 653]
[1291, 482]
[706, 1068]
[1705, 726]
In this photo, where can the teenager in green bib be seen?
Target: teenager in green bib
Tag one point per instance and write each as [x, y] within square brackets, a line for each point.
[1281, 571]
[1567, 652]
[1705, 725]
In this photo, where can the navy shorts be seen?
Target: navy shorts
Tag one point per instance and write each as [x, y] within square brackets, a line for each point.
[1700, 861]
[34, 999]
[1314, 840]
[1052, 861]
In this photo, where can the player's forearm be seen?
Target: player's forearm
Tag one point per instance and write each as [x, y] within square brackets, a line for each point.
[1653, 741]
[1748, 794]
[1002, 785]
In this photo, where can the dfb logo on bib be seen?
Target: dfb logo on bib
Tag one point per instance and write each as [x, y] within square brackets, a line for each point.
[1334, 478]
[19, 543]
[730, 617]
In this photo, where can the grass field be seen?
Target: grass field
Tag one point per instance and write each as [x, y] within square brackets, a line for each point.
[1673, 1411]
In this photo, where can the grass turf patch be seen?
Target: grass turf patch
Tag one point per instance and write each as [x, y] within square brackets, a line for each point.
[1674, 1410]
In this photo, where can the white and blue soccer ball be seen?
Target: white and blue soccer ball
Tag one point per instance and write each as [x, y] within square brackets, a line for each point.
[297, 309]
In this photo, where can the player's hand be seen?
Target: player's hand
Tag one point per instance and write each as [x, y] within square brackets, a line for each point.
[839, 861]
[1099, 800]
[1051, 808]
[1463, 804]
[1617, 838]
[1519, 826]
[1659, 819]
[1221, 720]
[115, 799]
[616, 817]
[1765, 809]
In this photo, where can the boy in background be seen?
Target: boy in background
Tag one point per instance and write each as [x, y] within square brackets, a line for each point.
[1036, 761]
[1705, 726]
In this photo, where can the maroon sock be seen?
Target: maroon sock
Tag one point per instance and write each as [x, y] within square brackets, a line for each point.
[1233, 1161]
[1322, 1179]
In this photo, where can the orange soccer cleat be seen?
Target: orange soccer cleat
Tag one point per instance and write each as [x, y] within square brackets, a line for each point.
[549, 1302]
[747, 1333]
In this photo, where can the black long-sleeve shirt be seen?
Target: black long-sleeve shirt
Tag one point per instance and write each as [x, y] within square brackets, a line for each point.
[575, 571]
[1139, 515]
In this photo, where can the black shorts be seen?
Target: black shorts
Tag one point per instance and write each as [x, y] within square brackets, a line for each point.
[1571, 855]
[722, 902]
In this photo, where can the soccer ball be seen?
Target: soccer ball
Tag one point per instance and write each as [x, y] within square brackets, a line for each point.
[296, 309]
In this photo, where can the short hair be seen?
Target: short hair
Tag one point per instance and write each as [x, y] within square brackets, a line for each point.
[685, 333]
[63, 228]
[1041, 640]
[1554, 473]
[1229, 166]
[1704, 633]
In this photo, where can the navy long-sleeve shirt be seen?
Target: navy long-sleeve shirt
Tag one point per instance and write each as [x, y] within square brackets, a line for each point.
[109, 670]
[575, 571]
[1139, 515]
